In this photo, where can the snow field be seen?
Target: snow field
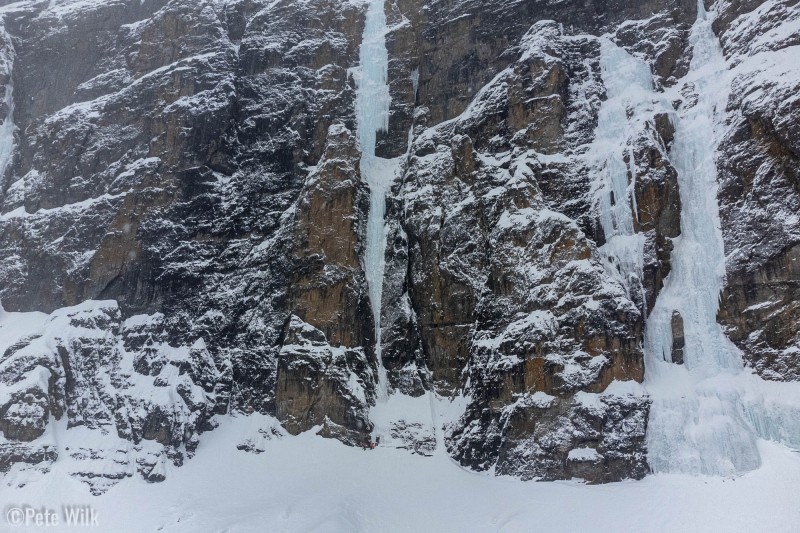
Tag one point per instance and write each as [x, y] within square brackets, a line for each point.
[310, 484]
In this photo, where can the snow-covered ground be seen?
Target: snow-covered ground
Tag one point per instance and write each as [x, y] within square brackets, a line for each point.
[307, 483]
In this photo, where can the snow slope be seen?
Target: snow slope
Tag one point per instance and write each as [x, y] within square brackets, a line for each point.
[307, 483]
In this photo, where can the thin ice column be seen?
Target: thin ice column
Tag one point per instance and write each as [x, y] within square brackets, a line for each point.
[372, 110]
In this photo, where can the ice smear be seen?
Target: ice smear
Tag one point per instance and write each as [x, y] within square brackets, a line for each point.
[629, 89]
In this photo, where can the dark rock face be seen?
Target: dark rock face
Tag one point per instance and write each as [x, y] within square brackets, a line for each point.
[175, 181]
[507, 298]
[313, 382]
[463, 45]
[678, 340]
[330, 332]
[760, 190]
[183, 223]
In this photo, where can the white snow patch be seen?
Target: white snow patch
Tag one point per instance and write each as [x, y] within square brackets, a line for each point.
[583, 455]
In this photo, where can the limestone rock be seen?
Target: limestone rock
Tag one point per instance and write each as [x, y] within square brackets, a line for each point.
[760, 190]
[678, 340]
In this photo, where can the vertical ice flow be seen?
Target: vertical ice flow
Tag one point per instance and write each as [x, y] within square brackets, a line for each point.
[698, 260]
[373, 98]
[708, 413]
[7, 128]
[372, 110]
[629, 84]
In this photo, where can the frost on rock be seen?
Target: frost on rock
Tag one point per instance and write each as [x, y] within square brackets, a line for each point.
[320, 383]
[183, 199]
[760, 186]
[261, 430]
[596, 437]
[510, 299]
[85, 369]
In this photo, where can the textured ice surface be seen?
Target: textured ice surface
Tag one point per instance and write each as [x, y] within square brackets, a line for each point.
[708, 413]
[629, 99]
[372, 111]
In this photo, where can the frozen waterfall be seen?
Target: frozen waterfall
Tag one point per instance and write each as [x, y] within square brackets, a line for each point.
[424, 415]
[707, 414]
[7, 128]
[372, 111]
[629, 86]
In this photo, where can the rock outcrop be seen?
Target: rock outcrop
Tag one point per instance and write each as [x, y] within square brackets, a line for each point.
[760, 187]
[503, 291]
[138, 400]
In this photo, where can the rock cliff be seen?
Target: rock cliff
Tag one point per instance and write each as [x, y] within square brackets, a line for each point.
[183, 224]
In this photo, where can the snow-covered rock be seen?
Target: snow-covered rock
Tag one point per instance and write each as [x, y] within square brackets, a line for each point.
[203, 210]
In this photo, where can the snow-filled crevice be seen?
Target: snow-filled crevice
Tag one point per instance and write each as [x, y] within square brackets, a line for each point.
[709, 412]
